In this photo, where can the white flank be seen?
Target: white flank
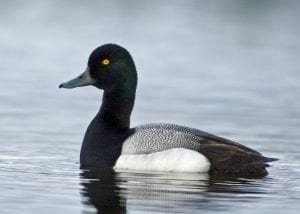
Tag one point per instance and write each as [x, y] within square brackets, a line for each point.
[172, 160]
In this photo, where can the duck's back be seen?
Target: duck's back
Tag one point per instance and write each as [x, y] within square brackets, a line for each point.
[191, 147]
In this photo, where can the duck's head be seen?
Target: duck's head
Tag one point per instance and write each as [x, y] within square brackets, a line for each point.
[109, 66]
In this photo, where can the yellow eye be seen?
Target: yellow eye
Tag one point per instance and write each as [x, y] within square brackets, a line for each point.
[105, 62]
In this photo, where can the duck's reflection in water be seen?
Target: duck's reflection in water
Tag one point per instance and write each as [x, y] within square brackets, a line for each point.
[118, 192]
[100, 191]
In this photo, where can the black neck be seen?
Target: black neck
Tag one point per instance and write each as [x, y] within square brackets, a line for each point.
[115, 110]
[117, 104]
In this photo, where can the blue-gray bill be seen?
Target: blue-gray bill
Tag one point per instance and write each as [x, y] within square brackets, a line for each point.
[83, 79]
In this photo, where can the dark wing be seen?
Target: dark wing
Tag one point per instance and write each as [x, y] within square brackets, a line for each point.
[231, 159]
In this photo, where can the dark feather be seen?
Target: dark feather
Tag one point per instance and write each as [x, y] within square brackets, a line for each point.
[233, 159]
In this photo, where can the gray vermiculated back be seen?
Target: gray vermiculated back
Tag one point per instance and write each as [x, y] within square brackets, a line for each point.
[202, 135]
[152, 138]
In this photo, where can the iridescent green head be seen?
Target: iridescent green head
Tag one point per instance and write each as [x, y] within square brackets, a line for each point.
[109, 67]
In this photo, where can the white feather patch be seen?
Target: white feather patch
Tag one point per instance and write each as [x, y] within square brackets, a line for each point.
[174, 160]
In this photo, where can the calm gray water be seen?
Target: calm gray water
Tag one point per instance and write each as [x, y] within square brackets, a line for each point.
[226, 67]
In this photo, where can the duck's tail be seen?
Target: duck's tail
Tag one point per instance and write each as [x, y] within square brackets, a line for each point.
[270, 159]
[234, 159]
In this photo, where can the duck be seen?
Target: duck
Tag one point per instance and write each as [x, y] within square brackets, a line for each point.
[110, 143]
